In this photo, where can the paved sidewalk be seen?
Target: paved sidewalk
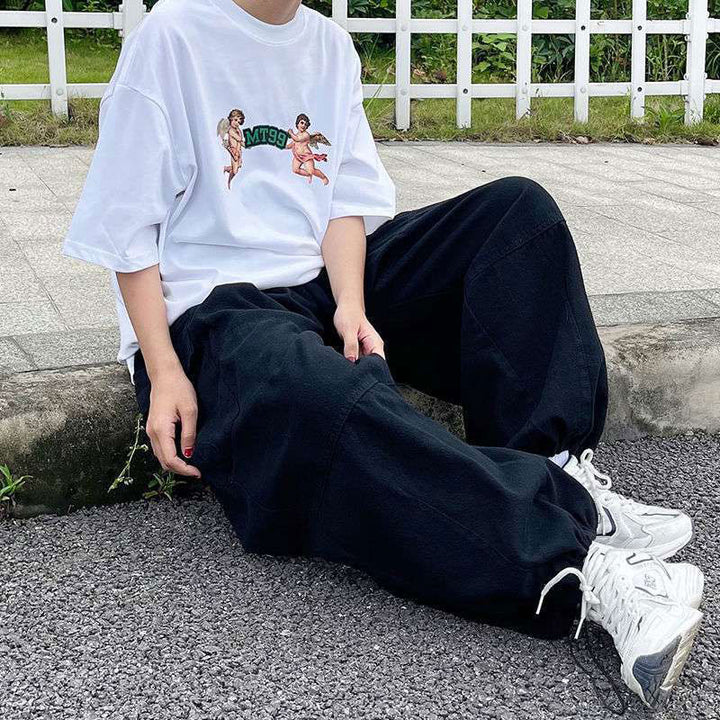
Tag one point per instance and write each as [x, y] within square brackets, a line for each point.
[646, 220]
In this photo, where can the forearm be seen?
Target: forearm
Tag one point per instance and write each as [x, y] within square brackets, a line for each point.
[143, 297]
[343, 250]
[172, 399]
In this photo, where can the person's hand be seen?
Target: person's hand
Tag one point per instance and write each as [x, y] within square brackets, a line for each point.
[358, 335]
[173, 401]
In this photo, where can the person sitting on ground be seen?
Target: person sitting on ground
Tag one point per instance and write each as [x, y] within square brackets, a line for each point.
[255, 320]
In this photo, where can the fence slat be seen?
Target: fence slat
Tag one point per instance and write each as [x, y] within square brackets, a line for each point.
[340, 12]
[402, 64]
[523, 58]
[464, 63]
[696, 52]
[639, 48]
[696, 27]
[132, 14]
[582, 59]
[56, 57]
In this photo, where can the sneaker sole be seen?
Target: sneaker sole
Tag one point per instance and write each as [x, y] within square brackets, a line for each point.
[657, 674]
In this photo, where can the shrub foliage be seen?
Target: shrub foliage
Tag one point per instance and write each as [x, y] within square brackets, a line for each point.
[433, 56]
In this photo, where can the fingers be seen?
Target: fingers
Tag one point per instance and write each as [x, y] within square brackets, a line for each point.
[188, 422]
[162, 439]
[171, 461]
[372, 343]
[350, 340]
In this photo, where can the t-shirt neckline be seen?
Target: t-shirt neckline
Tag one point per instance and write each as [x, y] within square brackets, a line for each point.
[262, 31]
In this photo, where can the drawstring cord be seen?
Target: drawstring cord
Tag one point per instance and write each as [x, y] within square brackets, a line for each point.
[588, 596]
[601, 693]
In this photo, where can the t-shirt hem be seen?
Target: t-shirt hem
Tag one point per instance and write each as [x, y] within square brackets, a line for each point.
[130, 364]
[339, 211]
[373, 217]
[108, 260]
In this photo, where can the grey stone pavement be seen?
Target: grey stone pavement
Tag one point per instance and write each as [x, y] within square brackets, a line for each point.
[152, 611]
[646, 220]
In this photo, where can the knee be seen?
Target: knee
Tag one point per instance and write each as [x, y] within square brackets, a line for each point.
[525, 191]
[525, 207]
[519, 212]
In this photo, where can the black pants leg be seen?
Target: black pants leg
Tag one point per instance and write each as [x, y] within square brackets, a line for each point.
[480, 301]
[311, 454]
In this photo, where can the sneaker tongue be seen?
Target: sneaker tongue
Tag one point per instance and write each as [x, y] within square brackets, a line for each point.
[574, 469]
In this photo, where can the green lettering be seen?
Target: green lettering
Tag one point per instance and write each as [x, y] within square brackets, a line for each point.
[282, 138]
[251, 137]
[266, 135]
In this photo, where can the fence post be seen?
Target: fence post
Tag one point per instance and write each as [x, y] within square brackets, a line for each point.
[639, 50]
[464, 64]
[132, 15]
[523, 58]
[696, 51]
[402, 64]
[582, 59]
[340, 12]
[56, 57]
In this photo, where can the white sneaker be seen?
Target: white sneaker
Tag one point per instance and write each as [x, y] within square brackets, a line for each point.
[631, 594]
[624, 523]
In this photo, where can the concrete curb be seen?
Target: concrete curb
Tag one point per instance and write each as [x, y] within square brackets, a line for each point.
[70, 429]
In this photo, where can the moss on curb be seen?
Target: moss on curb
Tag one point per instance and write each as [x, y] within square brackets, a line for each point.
[69, 430]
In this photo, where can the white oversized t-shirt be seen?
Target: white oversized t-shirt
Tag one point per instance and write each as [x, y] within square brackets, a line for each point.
[226, 145]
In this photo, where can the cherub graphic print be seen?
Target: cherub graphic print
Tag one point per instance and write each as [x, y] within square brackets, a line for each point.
[304, 158]
[231, 136]
[299, 141]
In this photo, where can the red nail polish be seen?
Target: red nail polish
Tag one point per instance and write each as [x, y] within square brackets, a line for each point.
[187, 452]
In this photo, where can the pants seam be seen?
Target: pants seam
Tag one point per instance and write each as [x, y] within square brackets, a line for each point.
[527, 567]
[541, 231]
[582, 350]
[529, 236]
[506, 362]
[327, 461]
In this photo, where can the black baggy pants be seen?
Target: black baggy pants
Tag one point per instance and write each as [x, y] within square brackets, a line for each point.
[480, 301]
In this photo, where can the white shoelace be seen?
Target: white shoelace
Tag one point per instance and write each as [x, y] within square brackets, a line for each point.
[599, 485]
[619, 604]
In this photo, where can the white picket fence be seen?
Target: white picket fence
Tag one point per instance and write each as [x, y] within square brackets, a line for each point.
[694, 87]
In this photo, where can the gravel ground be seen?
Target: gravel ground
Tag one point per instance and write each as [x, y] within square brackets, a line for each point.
[152, 610]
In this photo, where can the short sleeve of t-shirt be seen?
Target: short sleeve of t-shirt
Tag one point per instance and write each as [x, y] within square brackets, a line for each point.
[133, 180]
[363, 186]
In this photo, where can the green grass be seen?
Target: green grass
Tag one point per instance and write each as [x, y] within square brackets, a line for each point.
[551, 119]
[91, 57]
[23, 59]
[9, 485]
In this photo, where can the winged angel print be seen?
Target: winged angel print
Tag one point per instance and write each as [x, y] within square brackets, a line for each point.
[231, 136]
[301, 142]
